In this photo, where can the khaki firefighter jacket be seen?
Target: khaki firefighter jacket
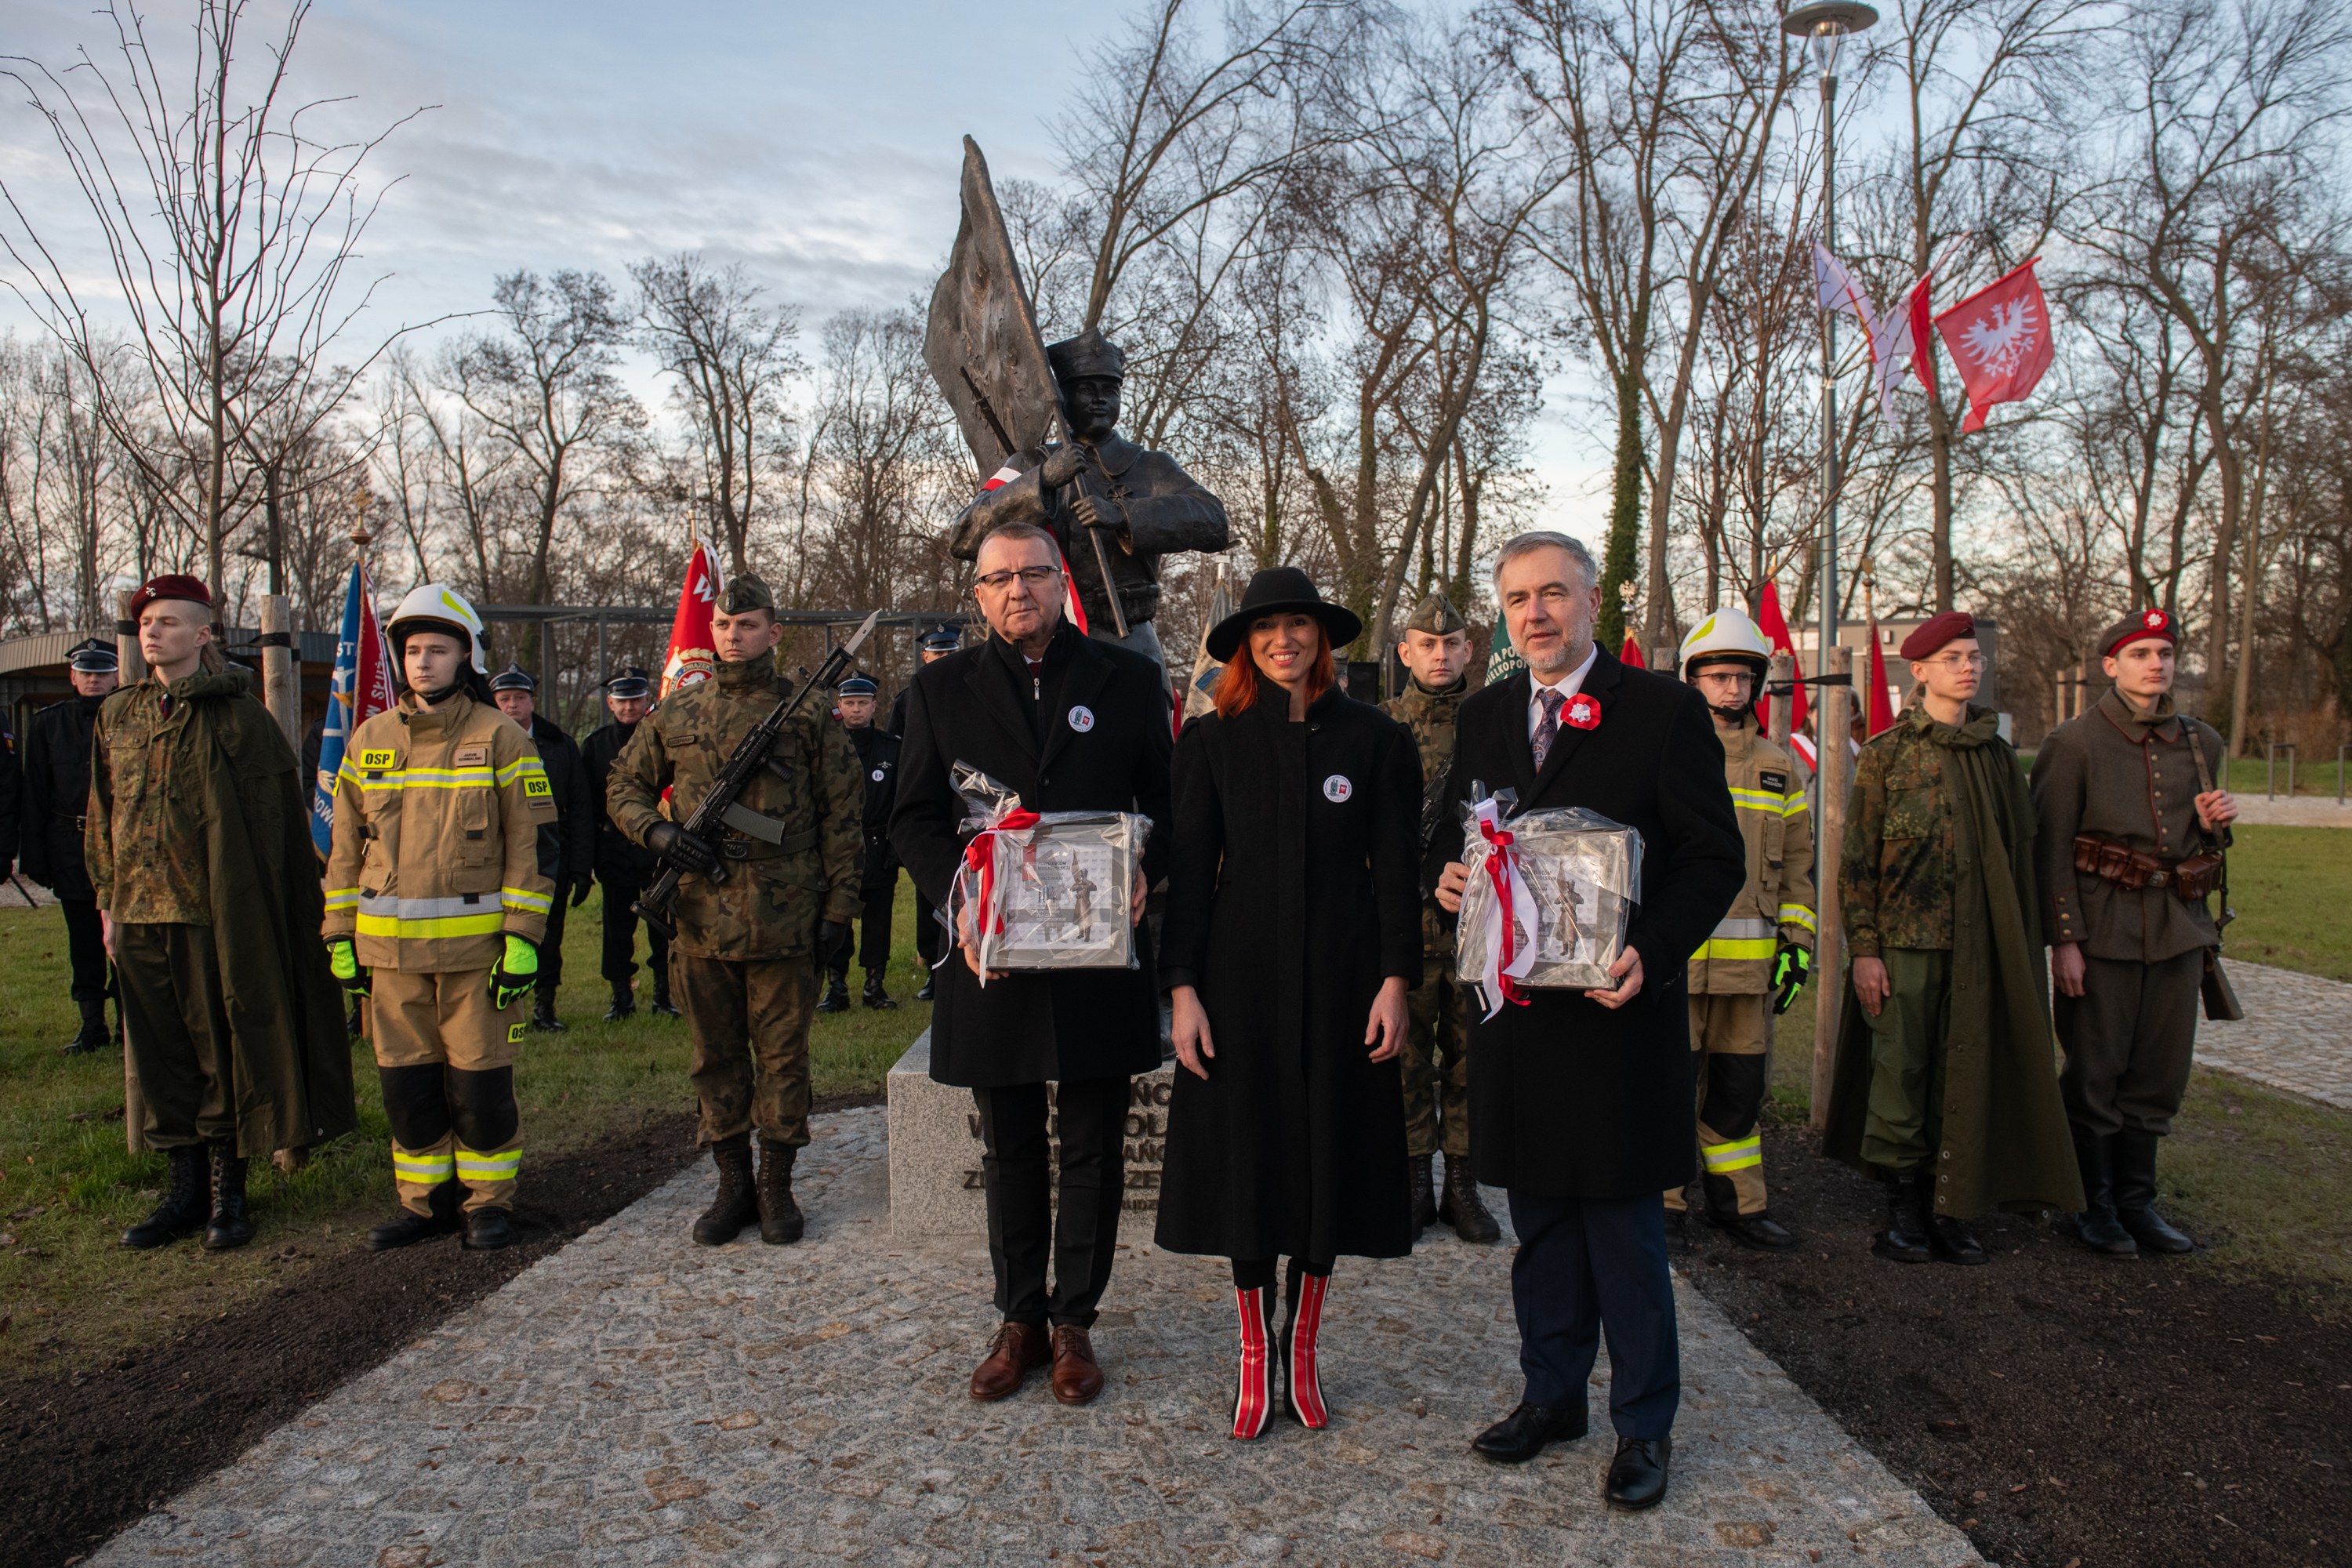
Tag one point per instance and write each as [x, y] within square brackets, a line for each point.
[1777, 903]
[435, 856]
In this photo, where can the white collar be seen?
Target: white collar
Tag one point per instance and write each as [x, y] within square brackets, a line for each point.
[1569, 687]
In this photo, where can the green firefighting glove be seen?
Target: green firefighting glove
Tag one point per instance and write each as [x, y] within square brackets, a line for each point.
[1792, 967]
[343, 958]
[515, 972]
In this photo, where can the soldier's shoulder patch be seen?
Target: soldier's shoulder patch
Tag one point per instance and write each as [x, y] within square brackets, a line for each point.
[1777, 783]
[470, 757]
[379, 757]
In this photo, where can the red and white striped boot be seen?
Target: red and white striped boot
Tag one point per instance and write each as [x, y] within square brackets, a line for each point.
[1302, 1384]
[1260, 1363]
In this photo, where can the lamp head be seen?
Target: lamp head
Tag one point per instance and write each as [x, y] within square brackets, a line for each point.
[1825, 24]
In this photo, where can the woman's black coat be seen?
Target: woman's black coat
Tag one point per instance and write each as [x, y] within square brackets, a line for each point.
[981, 706]
[1293, 892]
[1566, 1097]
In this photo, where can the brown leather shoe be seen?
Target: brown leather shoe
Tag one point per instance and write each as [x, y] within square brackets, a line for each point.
[1076, 1378]
[1017, 1349]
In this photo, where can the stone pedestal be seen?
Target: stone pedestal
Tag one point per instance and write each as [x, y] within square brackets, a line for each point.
[935, 1151]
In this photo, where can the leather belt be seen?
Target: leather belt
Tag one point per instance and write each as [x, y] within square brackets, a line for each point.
[59, 818]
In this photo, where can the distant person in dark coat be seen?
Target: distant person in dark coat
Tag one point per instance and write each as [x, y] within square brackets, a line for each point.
[1293, 935]
[1072, 723]
[567, 846]
[877, 760]
[621, 864]
[57, 797]
[930, 937]
[1581, 1101]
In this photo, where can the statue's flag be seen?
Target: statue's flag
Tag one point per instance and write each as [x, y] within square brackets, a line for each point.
[1998, 338]
[360, 688]
[691, 657]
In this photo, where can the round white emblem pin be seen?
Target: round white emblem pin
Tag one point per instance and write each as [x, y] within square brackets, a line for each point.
[877, 775]
[1338, 788]
[1082, 717]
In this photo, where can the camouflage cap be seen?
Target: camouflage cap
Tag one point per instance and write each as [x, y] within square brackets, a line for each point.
[1436, 615]
[745, 593]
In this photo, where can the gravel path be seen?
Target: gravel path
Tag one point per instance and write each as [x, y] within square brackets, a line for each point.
[634, 1399]
[2297, 1034]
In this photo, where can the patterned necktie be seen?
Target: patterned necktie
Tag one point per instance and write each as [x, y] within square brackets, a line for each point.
[1548, 727]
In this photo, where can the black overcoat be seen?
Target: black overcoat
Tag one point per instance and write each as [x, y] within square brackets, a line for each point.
[57, 795]
[1293, 892]
[1567, 1099]
[620, 860]
[877, 762]
[567, 846]
[1090, 733]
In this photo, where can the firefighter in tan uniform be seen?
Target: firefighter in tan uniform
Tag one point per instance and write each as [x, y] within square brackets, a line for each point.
[1750, 969]
[436, 908]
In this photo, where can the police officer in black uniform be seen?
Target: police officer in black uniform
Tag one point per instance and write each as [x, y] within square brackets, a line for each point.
[877, 759]
[567, 846]
[57, 794]
[623, 865]
[930, 937]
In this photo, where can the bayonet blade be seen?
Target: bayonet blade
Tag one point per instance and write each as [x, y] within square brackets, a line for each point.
[857, 639]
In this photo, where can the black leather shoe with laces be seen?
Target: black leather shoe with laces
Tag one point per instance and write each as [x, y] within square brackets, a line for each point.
[1521, 1436]
[1637, 1476]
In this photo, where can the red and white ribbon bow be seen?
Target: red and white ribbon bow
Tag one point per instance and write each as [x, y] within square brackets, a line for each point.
[980, 867]
[1510, 933]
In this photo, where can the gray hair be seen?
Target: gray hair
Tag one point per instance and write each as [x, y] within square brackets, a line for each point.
[1545, 539]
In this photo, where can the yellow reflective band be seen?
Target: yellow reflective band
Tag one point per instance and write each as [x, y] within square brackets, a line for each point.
[1795, 805]
[521, 767]
[524, 898]
[474, 1167]
[427, 1168]
[1798, 915]
[488, 924]
[1756, 800]
[1727, 948]
[343, 898]
[1722, 1158]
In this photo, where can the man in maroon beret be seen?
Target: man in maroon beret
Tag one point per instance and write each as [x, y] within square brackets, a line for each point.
[1944, 1056]
[198, 847]
[2131, 835]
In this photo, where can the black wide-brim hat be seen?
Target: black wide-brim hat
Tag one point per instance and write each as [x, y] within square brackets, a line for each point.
[1278, 590]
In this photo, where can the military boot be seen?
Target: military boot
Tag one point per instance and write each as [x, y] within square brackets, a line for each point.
[407, 1226]
[489, 1229]
[780, 1216]
[1461, 1206]
[1758, 1230]
[734, 1208]
[186, 1206]
[663, 1007]
[92, 1035]
[1425, 1192]
[836, 994]
[1905, 1239]
[542, 1013]
[2096, 1227]
[876, 997]
[927, 993]
[2135, 1159]
[625, 1002]
[231, 1225]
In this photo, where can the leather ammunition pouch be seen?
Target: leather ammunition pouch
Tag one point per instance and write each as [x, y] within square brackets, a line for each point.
[2191, 879]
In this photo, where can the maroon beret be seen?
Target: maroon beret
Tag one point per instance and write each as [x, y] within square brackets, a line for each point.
[1930, 638]
[172, 585]
[2149, 622]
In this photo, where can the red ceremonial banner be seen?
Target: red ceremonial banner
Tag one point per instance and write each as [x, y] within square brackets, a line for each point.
[1632, 654]
[1775, 628]
[691, 657]
[1880, 713]
[2000, 341]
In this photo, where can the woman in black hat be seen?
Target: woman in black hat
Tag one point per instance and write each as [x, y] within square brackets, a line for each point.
[1293, 931]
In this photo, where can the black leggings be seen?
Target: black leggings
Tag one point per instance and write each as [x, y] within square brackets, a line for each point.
[1257, 1273]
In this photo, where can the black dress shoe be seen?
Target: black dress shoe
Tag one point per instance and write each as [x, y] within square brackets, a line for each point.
[1521, 1436]
[408, 1226]
[1637, 1476]
[925, 994]
[487, 1230]
[1955, 1242]
[1760, 1231]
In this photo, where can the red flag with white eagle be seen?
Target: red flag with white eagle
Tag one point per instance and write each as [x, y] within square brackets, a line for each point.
[2000, 341]
[691, 656]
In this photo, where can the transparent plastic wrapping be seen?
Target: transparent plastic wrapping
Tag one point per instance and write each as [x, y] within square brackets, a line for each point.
[1044, 890]
[1573, 879]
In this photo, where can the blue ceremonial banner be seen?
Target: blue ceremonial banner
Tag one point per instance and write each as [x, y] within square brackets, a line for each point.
[360, 689]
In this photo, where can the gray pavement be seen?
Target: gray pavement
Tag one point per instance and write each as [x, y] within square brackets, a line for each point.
[635, 1399]
[2297, 1034]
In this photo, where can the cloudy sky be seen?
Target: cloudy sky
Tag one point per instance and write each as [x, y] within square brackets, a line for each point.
[820, 145]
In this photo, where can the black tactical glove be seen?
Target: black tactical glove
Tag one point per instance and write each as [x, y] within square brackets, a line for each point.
[682, 849]
[1792, 967]
[580, 891]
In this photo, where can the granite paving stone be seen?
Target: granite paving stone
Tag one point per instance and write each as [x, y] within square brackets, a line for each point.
[2297, 1034]
[637, 1399]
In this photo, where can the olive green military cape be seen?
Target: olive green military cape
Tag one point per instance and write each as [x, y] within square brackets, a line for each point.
[292, 1062]
[2005, 1143]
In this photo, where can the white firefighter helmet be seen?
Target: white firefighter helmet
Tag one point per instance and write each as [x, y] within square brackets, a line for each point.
[1728, 634]
[437, 607]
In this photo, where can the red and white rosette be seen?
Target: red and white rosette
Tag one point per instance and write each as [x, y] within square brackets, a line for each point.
[976, 889]
[1510, 933]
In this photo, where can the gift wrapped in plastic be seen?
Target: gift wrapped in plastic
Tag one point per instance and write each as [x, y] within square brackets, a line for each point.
[1044, 889]
[1570, 880]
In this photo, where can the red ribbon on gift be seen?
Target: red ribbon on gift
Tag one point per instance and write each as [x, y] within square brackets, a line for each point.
[1499, 871]
[981, 856]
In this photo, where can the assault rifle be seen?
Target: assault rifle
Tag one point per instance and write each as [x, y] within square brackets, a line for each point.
[718, 821]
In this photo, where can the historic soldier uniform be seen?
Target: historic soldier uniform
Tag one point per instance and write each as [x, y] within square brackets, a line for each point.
[930, 936]
[623, 865]
[1951, 1088]
[1753, 963]
[2127, 867]
[198, 847]
[877, 760]
[436, 907]
[56, 803]
[1160, 507]
[745, 957]
[1435, 1061]
[567, 846]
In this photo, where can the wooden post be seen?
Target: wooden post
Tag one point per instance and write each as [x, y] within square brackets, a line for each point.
[1836, 777]
[1782, 671]
[133, 665]
[280, 693]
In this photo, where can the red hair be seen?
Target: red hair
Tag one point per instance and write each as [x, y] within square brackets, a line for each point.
[1238, 687]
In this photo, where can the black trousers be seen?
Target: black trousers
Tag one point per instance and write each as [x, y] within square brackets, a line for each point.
[873, 930]
[86, 948]
[620, 940]
[1586, 1265]
[1090, 1119]
[551, 947]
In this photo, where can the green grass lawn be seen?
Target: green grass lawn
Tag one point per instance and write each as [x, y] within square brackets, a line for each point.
[2291, 887]
[68, 1187]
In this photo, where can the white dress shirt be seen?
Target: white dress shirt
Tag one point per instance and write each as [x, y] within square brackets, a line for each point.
[1568, 687]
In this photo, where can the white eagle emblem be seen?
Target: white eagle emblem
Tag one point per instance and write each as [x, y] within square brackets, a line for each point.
[1999, 342]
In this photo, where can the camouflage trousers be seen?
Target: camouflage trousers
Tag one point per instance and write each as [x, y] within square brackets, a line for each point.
[1436, 1062]
[750, 1023]
[1731, 1042]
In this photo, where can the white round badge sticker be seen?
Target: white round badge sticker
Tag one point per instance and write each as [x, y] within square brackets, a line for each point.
[1337, 788]
[1082, 717]
[877, 775]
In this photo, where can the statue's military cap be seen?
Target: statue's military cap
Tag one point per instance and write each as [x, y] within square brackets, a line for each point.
[745, 594]
[1088, 355]
[1436, 615]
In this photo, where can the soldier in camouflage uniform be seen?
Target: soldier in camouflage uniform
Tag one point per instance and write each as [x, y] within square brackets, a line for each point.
[1436, 648]
[746, 958]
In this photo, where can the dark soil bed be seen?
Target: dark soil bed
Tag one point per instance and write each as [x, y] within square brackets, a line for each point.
[87, 1452]
[2057, 1406]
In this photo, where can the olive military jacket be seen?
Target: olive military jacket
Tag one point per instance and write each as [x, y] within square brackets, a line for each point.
[1430, 718]
[434, 859]
[1776, 822]
[810, 789]
[2110, 773]
[1896, 875]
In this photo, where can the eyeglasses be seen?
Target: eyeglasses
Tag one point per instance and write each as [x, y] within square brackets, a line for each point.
[1033, 578]
[1958, 661]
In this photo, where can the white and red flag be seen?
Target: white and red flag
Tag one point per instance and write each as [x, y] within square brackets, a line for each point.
[691, 657]
[1775, 628]
[1071, 607]
[2000, 339]
[1904, 342]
